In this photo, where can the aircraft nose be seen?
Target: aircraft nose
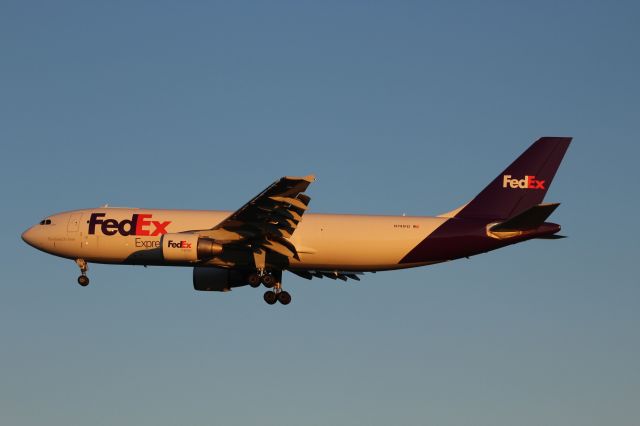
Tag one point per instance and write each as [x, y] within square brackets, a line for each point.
[28, 237]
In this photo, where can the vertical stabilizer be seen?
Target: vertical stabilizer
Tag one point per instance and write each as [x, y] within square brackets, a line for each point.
[520, 186]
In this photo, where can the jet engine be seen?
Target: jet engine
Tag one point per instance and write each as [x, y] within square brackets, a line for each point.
[217, 279]
[189, 248]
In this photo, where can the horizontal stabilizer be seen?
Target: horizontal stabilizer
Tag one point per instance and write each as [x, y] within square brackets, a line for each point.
[527, 220]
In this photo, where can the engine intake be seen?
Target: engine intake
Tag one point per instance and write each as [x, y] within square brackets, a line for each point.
[189, 248]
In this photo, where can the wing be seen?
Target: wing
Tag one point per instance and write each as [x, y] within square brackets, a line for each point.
[269, 220]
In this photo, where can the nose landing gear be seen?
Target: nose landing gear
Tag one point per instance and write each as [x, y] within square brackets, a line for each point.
[83, 279]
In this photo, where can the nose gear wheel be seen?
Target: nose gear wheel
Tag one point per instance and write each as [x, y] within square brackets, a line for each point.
[83, 279]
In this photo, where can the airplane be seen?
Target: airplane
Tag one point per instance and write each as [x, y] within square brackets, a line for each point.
[273, 233]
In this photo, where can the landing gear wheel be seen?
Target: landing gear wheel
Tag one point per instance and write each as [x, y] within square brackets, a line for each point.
[270, 297]
[254, 280]
[284, 297]
[268, 280]
[83, 279]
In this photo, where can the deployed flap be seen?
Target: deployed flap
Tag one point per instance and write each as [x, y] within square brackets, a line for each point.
[529, 219]
[341, 275]
[269, 219]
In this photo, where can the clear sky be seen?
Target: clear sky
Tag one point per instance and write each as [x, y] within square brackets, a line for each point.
[397, 107]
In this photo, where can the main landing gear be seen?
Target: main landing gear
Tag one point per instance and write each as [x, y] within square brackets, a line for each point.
[265, 278]
[271, 281]
[83, 279]
[280, 295]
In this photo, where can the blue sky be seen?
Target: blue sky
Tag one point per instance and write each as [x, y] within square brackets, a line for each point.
[397, 107]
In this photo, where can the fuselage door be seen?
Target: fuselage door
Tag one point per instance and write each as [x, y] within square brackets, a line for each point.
[74, 222]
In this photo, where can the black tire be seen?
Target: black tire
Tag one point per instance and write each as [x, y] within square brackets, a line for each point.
[83, 280]
[268, 280]
[270, 297]
[254, 280]
[284, 297]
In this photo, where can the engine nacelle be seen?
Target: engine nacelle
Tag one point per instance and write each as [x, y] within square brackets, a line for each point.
[217, 279]
[188, 248]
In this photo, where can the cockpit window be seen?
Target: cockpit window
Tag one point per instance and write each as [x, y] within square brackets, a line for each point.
[45, 222]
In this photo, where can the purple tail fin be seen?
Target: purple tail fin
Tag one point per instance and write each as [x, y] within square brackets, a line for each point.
[522, 185]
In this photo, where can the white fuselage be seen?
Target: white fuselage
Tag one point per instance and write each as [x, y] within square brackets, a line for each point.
[323, 241]
[274, 232]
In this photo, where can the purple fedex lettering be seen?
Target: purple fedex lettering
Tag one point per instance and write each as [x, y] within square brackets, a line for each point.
[139, 224]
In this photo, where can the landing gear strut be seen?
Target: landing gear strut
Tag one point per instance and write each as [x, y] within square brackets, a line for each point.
[83, 279]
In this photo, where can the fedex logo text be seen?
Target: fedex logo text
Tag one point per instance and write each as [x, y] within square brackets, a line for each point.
[139, 224]
[180, 244]
[529, 182]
